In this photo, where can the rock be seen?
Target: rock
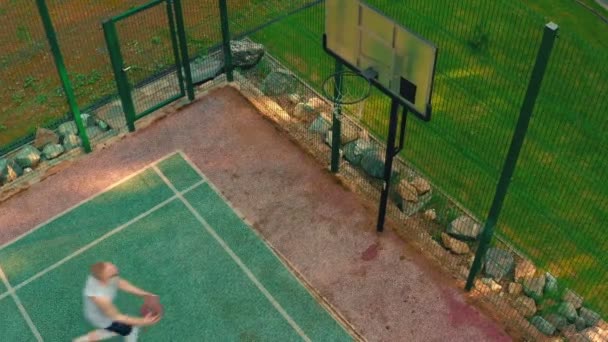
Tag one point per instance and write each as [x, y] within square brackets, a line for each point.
[498, 263]
[524, 269]
[350, 133]
[421, 185]
[558, 321]
[67, 128]
[567, 310]
[430, 215]
[71, 141]
[45, 136]
[87, 120]
[580, 323]
[591, 317]
[16, 167]
[407, 192]
[494, 286]
[542, 325]
[573, 298]
[345, 138]
[515, 289]
[301, 111]
[525, 306]
[372, 163]
[550, 283]
[9, 171]
[293, 98]
[315, 104]
[464, 228]
[454, 245]
[577, 338]
[279, 82]
[464, 271]
[246, 54]
[602, 325]
[113, 115]
[534, 286]
[205, 69]
[28, 156]
[27, 170]
[52, 151]
[320, 125]
[102, 125]
[482, 288]
[353, 152]
[595, 334]
[94, 132]
[569, 330]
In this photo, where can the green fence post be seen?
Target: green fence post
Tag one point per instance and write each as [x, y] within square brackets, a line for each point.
[62, 71]
[542, 59]
[226, 40]
[336, 129]
[122, 83]
[175, 46]
[183, 43]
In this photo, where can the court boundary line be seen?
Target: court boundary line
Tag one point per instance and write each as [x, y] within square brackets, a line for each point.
[235, 258]
[90, 198]
[99, 240]
[322, 300]
[12, 292]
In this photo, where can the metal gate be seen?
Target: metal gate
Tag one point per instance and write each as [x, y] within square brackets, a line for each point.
[147, 48]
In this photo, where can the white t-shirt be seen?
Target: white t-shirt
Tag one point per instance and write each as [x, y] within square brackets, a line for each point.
[94, 288]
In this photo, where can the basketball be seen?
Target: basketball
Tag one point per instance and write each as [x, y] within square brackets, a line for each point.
[152, 306]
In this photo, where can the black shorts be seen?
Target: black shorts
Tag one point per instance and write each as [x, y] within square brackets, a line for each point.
[120, 328]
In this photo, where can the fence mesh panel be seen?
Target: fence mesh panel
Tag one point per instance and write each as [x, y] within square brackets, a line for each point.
[31, 93]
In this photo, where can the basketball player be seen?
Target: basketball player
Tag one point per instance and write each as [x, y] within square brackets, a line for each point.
[100, 290]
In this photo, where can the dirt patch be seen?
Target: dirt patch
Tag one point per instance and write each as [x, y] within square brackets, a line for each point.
[326, 232]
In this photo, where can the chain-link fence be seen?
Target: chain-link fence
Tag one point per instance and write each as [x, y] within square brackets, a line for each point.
[548, 258]
[31, 93]
[546, 266]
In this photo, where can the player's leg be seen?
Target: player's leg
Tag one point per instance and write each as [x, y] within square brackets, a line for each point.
[128, 332]
[132, 337]
[95, 335]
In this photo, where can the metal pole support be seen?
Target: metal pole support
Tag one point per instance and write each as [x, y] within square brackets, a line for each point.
[336, 130]
[226, 40]
[62, 71]
[542, 59]
[122, 83]
[388, 162]
[183, 44]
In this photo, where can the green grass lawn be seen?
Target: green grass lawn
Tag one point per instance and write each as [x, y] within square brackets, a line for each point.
[557, 204]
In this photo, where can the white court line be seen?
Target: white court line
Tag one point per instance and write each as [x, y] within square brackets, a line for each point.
[236, 259]
[11, 292]
[147, 167]
[338, 317]
[99, 240]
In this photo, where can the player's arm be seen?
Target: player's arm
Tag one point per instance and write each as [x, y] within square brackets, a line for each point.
[130, 288]
[112, 312]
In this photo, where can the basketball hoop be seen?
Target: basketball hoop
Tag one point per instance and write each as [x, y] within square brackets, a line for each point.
[347, 91]
[346, 88]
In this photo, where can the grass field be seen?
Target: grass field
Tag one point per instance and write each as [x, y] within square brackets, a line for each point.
[169, 231]
[556, 208]
[557, 204]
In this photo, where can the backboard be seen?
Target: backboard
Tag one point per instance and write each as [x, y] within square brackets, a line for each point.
[398, 61]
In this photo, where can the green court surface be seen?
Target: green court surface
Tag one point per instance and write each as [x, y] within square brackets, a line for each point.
[169, 232]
